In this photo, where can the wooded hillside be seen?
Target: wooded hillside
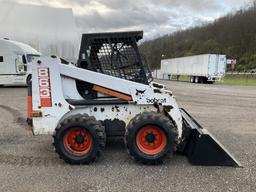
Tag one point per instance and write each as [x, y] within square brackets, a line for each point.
[233, 35]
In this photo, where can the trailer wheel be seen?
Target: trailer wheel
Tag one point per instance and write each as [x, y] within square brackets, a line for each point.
[196, 79]
[201, 80]
[79, 139]
[204, 80]
[192, 79]
[150, 137]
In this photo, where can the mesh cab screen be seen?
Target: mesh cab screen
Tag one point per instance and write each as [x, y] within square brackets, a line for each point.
[114, 54]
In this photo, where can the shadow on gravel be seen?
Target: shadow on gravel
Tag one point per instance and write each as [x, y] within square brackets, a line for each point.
[115, 144]
[117, 147]
[115, 154]
[18, 117]
[29, 161]
[13, 86]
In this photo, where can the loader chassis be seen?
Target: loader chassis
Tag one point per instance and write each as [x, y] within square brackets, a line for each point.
[145, 114]
[58, 103]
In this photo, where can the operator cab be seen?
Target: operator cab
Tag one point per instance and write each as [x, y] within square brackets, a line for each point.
[115, 54]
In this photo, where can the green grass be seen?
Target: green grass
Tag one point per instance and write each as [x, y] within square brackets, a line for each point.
[184, 78]
[246, 80]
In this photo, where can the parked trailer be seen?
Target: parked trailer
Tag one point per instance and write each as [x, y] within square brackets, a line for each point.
[159, 74]
[15, 59]
[206, 68]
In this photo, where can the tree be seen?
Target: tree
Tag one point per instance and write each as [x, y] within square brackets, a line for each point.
[233, 35]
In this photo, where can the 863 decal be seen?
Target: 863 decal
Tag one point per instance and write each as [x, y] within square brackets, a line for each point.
[44, 87]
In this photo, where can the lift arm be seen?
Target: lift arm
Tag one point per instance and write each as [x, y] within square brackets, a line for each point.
[107, 81]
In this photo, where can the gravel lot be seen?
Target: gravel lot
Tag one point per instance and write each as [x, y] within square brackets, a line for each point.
[28, 163]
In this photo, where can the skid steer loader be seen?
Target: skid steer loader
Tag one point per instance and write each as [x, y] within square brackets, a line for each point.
[107, 95]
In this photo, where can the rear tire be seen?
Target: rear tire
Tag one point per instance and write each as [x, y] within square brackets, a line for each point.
[150, 137]
[204, 80]
[79, 139]
[196, 79]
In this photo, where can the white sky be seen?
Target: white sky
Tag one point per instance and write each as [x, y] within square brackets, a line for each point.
[155, 17]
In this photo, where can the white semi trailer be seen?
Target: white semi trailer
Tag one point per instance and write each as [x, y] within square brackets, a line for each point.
[15, 59]
[206, 68]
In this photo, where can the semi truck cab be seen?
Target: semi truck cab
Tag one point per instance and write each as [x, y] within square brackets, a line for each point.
[15, 59]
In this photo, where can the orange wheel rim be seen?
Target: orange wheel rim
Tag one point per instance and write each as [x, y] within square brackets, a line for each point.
[78, 141]
[151, 140]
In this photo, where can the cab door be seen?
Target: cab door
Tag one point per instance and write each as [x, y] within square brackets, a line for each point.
[21, 65]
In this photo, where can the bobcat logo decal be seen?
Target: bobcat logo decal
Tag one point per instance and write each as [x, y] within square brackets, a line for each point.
[140, 93]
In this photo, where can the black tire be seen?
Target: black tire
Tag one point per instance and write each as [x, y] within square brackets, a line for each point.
[95, 131]
[28, 80]
[196, 79]
[192, 79]
[153, 119]
[204, 80]
[201, 80]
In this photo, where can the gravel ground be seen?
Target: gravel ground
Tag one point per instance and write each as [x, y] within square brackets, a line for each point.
[28, 163]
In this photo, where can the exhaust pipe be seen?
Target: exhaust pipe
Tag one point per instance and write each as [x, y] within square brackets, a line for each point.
[202, 148]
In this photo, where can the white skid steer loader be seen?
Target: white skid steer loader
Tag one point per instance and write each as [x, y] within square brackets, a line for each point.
[108, 95]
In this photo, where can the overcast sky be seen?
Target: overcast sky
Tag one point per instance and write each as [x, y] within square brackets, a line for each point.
[155, 17]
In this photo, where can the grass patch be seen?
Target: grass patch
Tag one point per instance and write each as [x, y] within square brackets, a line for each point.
[247, 80]
[181, 78]
[237, 79]
[184, 78]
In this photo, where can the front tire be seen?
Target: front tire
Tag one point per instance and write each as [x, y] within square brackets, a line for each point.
[192, 79]
[79, 139]
[150, 137]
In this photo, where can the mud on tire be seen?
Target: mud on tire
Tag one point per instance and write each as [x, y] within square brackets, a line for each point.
[79, 139]
[150, 137]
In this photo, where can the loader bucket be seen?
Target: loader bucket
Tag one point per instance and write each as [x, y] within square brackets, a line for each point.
[202, 148]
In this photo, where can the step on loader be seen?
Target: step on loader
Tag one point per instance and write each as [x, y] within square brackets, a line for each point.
[107, 94]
